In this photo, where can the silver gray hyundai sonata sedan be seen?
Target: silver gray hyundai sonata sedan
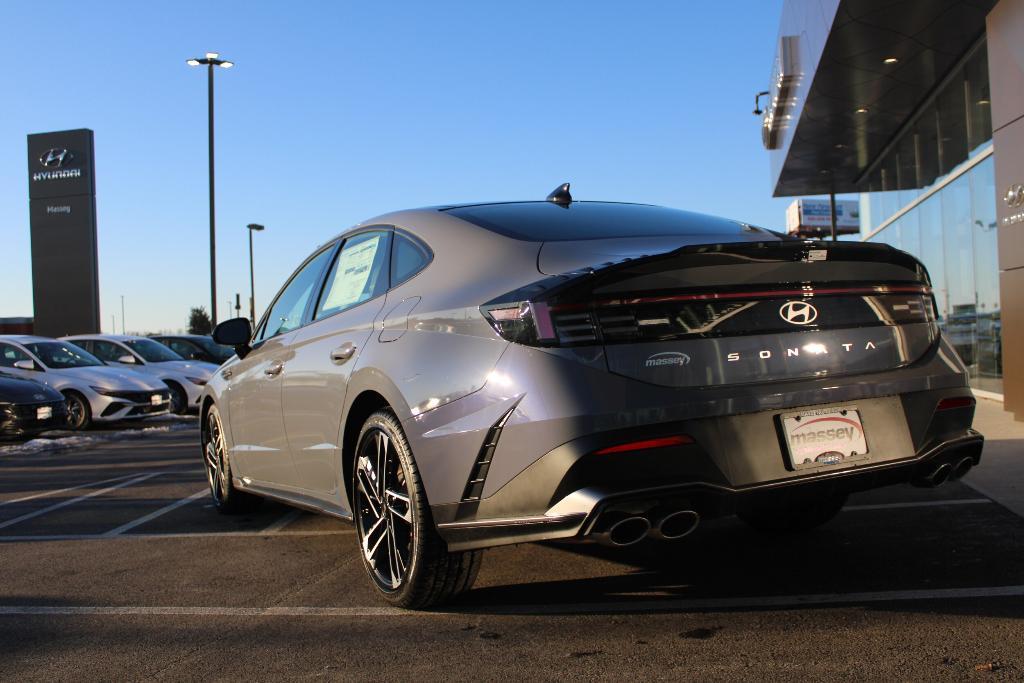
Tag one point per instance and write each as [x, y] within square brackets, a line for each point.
[462, 377]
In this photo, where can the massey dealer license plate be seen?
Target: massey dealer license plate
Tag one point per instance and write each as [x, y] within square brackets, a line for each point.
[44, 412]
[826, 436]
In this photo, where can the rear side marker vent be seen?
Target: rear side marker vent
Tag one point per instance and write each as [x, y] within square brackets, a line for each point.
[475, 485]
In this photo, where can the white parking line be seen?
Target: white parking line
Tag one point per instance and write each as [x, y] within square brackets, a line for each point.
[46, 494]
[630, 606]
[72, 501]
[284, 521]
[156, 513]
[157, 537]
[918, 504]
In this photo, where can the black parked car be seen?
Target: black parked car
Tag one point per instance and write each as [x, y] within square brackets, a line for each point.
[195, 347]
[27, 407]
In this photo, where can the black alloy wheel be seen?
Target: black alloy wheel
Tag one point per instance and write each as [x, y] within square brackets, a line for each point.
[179, 399]
[226, 498]
[79, 413]
[386, 525]
[404, 556]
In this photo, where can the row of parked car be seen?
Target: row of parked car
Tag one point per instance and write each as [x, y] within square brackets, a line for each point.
[75, 381]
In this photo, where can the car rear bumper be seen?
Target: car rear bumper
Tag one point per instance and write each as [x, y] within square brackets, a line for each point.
[577, 514]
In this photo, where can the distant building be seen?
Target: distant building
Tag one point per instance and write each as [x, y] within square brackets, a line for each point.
[917, 107]
[16, 326]
[813, 218]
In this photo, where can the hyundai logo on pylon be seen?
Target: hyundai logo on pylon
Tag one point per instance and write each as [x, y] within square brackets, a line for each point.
[55, 158]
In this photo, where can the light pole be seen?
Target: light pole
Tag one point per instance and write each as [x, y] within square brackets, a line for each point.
[122, 314]
[253, 227]
[211, 60]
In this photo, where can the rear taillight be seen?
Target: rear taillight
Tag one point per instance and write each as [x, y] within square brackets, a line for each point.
[576, 317]
[954, 402]
[647, 444]
[523, 322]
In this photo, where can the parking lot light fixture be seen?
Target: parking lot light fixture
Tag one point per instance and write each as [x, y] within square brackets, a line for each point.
[253, 227]
[211, 60]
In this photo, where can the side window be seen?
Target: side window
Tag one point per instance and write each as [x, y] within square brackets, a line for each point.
[105, 351]
[286, 312]
[9, 354]
[183, 348]
[408, 257]
[357, 275]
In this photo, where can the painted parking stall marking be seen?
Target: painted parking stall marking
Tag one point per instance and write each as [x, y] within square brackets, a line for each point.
[63, 504]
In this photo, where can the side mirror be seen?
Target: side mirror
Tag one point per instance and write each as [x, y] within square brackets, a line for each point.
[126, 359]
[235, 333]
[25, 365]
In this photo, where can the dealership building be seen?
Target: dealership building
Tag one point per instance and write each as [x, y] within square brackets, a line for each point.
[918, 106]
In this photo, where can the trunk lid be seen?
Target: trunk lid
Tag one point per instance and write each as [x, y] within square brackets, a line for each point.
[750, 312]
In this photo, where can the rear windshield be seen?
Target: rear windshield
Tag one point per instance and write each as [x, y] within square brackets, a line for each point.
[550, 222]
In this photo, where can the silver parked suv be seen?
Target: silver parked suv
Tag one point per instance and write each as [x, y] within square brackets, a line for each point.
[462, 377]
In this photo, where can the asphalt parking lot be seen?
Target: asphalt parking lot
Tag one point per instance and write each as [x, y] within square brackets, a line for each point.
[113, 565]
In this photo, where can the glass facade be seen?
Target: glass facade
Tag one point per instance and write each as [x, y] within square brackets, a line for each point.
[933, 195]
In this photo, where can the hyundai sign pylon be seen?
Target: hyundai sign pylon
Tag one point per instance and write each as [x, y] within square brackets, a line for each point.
[62, 213]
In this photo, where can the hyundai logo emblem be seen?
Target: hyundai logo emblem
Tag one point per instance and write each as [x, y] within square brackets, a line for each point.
[798, 312]
[55, 158]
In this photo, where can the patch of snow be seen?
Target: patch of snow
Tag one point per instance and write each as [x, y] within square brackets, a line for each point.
[65, 440]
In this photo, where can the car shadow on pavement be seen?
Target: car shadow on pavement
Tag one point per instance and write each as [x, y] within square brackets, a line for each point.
[923, 549]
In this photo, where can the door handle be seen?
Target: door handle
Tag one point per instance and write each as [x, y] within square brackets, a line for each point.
[343, 353]
[274, 369]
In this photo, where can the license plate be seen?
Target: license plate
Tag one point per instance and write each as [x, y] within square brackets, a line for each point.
[156, 399]
[826, 436]
[44, 412]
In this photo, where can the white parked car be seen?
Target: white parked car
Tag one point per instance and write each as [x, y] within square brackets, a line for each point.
[94, 392]
[184, 378]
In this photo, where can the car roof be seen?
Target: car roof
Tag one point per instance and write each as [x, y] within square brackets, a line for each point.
[107, 337]
[180, 336]
[25, 338]
[544, 221]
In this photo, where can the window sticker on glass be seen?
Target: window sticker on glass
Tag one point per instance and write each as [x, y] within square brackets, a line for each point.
[352, 274]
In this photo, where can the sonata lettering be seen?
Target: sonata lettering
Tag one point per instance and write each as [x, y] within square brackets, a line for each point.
[795, 351]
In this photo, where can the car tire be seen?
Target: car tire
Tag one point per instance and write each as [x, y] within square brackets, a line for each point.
[79, 411]
[226, 498]
[394, 526]
[794, 518]
[179, 399]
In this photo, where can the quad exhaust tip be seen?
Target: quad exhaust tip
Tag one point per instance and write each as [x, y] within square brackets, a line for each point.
[947, 471]
[940, 474]
[962, 468]
[621, 530]
[675, 525]
[628, 531]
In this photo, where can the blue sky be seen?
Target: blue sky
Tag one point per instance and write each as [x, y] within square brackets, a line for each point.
[338, 111]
